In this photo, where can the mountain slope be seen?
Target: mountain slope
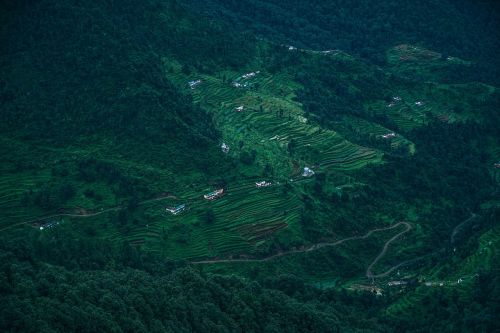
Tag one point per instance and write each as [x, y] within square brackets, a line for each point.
[139, 133]
[368, 28]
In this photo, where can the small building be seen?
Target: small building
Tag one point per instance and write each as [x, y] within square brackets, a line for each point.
[302, 119]
[389, 135]
[419, 103]
[397, 99]
[262, 184]
[193, 84]
[240, 108]
[307, 172]
[396, 283]
[497, 165]
[291, 48]
[225, 148]
[177, 209]
[214, 195]
[250, 75]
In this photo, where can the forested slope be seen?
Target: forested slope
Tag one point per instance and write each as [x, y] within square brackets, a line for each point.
[367, 28]
[66, 285]
[80, 70]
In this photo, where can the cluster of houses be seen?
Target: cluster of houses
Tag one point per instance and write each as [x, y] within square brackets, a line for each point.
[214, 194]
[177, 209]
[49, 225]
[193, 84]
[240, 85]
[427, 284]
[262, 184]
[395, 99]
[236, 83]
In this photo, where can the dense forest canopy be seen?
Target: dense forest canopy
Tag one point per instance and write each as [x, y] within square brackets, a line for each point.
[69, 285]
[79, 71]
[367, 28]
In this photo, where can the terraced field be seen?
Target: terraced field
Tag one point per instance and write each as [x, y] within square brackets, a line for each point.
[246, 217]
[12, 188]
[258, 115]
[243, 219]
[373, 130]
[273, 121]
[482, 258]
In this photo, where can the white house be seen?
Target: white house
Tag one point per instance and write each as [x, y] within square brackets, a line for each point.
[307, 172]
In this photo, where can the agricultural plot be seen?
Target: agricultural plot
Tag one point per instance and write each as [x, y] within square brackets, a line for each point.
[12, 188]
[415, 61]
[404, 115]
[242, 221]
[406, 52]
[274, 122]
[427, 102]
[483, 257]
[375, 131]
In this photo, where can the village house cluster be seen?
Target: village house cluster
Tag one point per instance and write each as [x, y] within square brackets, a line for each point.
[49, 225]
[237, 84]
[395, 100]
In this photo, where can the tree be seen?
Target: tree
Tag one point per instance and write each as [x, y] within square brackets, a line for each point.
[209, 216]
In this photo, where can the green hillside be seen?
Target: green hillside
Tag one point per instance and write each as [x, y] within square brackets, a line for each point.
[146, 144]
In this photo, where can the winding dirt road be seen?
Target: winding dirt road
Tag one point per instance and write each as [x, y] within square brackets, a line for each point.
[83, 215]
[369, 273]
[310, 248]
[457, 229]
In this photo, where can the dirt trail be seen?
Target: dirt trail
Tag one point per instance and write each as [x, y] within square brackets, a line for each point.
[457, 229]
[309, 249]
[369, 273]
[404, 263]
[86, 214]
